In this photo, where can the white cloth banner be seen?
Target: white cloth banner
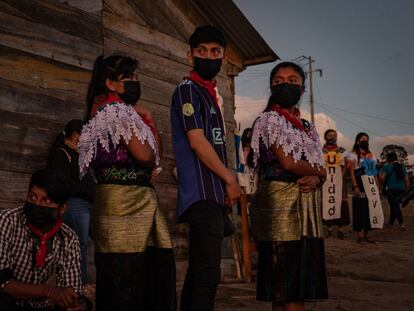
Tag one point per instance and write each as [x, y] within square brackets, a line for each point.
[252, 181]
[247, 177]
[332, 188]
[376, 214]
[332, 193]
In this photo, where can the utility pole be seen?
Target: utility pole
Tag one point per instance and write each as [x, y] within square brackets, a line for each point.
[309, 74]
[311, 103]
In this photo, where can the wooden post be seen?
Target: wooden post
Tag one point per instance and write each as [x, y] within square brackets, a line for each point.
[247, 268]
[236, 255]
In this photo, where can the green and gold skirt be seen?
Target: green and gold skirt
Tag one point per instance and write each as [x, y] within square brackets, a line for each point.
[288, 227]
[283, 213]
[126, 219]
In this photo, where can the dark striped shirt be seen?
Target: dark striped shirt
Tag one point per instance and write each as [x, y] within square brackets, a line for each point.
[194, 108]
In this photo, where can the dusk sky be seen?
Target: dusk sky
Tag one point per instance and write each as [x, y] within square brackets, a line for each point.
[366, 51]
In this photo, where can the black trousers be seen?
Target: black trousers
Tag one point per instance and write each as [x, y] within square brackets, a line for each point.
[205, 221]
[395, 210]
[136, 281]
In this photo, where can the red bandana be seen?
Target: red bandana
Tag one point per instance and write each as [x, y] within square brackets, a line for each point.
[365, 154]
[330, 147]
[209, 85]
[42, 252]
[103, 100]
[293, 119]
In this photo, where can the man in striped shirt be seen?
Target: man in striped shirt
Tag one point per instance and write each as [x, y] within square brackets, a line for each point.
[35, 245]
[205, 184]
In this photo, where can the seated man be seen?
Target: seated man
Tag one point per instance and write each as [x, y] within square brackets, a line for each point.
[35, 245]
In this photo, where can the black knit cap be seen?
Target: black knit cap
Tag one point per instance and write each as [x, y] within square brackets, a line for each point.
[205, 34]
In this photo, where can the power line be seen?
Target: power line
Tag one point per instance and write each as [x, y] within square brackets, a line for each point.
[366, 129]
[367, 115]
[358, 125]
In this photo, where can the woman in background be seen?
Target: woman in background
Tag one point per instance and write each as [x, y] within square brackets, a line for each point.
[362, 162]
[64, 157]
[330, 145]
[395, 180]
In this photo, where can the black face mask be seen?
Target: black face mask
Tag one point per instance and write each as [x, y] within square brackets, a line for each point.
[285, 95]
[132, 92]
[207, 68]
[331, 141]
[364, 145]
[41, 217]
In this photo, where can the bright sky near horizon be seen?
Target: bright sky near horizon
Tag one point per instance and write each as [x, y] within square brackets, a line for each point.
[366, 51]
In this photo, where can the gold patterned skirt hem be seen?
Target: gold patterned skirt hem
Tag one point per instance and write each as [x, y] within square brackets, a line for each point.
[126, 219]
[282, 213]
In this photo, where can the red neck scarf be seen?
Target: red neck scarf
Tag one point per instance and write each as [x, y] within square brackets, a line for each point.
[44, 236]
[209, 85]
[330, 147]
[365, 154]
[103, 100]
[293, 119]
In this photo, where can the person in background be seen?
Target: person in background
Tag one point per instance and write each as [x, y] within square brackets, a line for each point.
[64, 157]
[362, 162]
[395, 180]
[330, 145]
[286, 217]
[35, 245]
[246, 175]
[204, 181]
[135, 267]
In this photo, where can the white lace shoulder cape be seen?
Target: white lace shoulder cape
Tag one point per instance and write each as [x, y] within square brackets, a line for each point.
[110, 124]
[272, 128]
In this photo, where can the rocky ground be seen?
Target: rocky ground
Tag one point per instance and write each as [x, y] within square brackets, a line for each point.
[367, 277]
[361, 277]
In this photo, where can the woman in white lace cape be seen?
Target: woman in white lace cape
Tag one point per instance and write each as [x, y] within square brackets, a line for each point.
[286, 218]
[133, 249]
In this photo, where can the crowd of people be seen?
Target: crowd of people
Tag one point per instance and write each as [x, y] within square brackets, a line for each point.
[98, 183]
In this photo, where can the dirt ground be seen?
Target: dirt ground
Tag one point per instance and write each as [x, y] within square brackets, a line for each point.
[367, 277]
[361, 277]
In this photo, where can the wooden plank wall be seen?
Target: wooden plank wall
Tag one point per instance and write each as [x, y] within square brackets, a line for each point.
[47, 50]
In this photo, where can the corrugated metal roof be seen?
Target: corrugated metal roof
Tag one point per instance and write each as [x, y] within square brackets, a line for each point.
[243, 37]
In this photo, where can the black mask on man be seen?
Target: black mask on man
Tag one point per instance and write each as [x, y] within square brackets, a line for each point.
[41, 217]
[331, 141]
[132, 92]
[285, 95]
[207, 68]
